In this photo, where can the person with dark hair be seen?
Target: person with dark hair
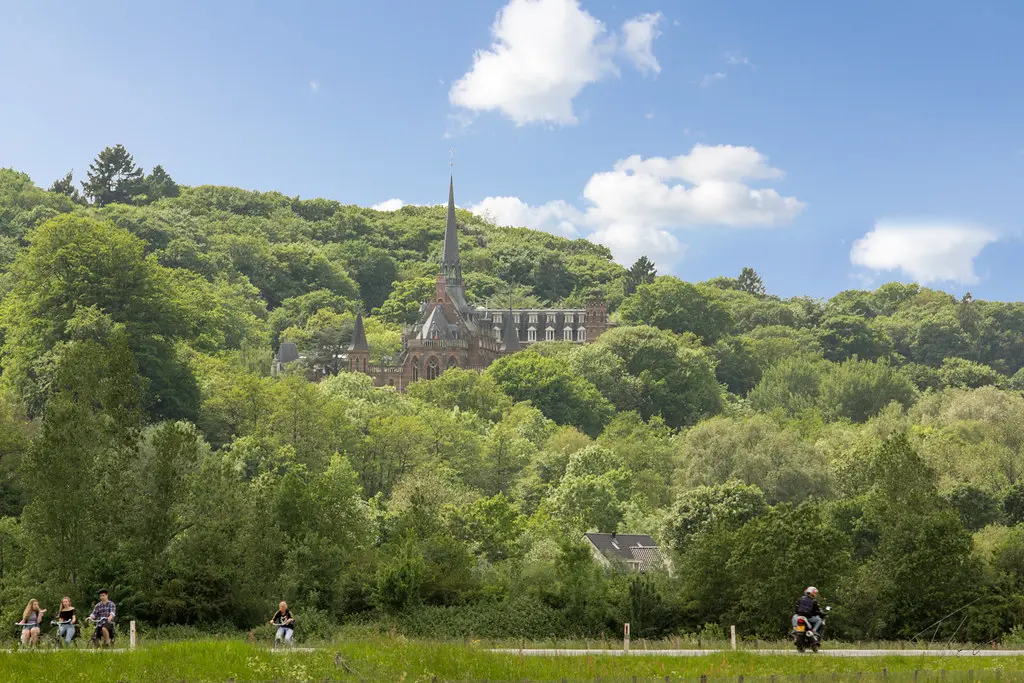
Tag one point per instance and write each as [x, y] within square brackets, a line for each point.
[103, 614]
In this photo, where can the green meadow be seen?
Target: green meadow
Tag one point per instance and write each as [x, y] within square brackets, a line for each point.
[388, 659]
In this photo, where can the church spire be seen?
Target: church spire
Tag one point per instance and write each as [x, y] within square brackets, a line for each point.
[451, 267]
[359, 335]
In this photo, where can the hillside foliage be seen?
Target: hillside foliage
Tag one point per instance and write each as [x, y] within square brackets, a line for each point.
[869, 444]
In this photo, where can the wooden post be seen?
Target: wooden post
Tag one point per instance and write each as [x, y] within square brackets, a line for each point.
[732, 635]
[131, 634]
[625, 637]
[645, 643]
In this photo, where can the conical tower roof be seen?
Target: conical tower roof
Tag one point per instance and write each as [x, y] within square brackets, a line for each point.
[359, 335]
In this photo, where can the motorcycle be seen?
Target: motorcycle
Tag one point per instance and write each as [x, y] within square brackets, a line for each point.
[804, 636]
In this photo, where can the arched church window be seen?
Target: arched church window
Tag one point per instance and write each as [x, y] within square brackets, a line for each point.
[433, 368]
[415, 369]
[452, 363]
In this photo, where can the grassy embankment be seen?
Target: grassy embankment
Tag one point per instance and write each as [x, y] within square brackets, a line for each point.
[388, 659]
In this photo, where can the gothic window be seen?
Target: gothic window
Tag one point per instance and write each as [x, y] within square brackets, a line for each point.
[549, 334]
[531, 334]
[567, 335]
[433, 333]
[433, 368]
[533, 318]
[452, 363]
[581, 334]
[415, 369]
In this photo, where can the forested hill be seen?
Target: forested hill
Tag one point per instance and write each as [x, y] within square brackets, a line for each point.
[866, 444]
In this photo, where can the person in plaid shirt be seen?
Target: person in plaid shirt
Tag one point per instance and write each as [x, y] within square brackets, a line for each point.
[103, 614]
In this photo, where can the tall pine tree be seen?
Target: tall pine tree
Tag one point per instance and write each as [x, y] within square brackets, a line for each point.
[642, 272]
[66, 187]
[113, 177]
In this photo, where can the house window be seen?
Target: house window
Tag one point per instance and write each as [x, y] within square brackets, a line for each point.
[581, 334]
[433, 368]
[515, 318]
[497, 333]
[531, 334]
[550, 319]
[497, 318]
[549, 334]
[567, 335]
[533, 318]
[569, 318]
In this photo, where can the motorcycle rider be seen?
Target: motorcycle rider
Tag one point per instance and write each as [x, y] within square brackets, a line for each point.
[807, 607]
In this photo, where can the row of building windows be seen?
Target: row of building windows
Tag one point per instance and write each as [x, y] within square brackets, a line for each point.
[534, 318]
[549, 334]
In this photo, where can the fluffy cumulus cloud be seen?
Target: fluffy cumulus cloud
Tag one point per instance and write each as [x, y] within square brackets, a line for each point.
[559, 217]
[926, 252]
[389, 205]
[544, 52]
[638, 207]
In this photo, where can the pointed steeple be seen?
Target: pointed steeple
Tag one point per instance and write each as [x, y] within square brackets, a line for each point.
[451, 267]
[359, 335]
[510, 337]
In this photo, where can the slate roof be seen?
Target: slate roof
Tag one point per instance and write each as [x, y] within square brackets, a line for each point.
[359, 336]
[639, 550]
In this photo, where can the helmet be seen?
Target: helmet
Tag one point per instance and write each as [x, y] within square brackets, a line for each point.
[811, 590]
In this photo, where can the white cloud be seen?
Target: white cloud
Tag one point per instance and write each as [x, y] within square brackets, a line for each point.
[314, 86]
[389, 205]
[737, 58]
[927, 252]
[558, 217]
[711, 79]
[544, 52]
[638, 41]
[636, 207]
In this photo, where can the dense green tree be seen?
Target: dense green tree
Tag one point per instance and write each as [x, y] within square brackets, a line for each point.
[66, 187]
[159, 185]
[671, 304]
[750, 282]
[845, 336]
[963, 373]
[77, 267]
[560, 395]
[642, 272]
[673, 380]
[858, 390]
[705, 508]
[113, 177]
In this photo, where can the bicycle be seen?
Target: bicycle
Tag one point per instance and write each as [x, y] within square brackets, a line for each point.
[96, 641]
[55, 638]
[22, 645]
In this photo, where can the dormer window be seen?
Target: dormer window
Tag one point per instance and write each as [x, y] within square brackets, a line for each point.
[531, 334]
[567, 334]
[549, 334]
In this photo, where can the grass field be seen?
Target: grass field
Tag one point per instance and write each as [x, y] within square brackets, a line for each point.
[396, 659]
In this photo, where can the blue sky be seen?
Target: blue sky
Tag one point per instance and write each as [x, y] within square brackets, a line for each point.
[838, 145]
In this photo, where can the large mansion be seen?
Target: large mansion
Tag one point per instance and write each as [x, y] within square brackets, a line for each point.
[450, 333]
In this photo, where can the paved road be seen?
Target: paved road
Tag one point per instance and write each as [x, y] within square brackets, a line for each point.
[824, 653]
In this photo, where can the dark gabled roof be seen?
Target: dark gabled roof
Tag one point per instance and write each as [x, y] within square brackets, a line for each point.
[633, 548]
[359, 336]
[435, 322]
[287, 352]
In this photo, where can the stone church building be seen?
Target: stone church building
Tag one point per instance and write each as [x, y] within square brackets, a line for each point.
[450, 333]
